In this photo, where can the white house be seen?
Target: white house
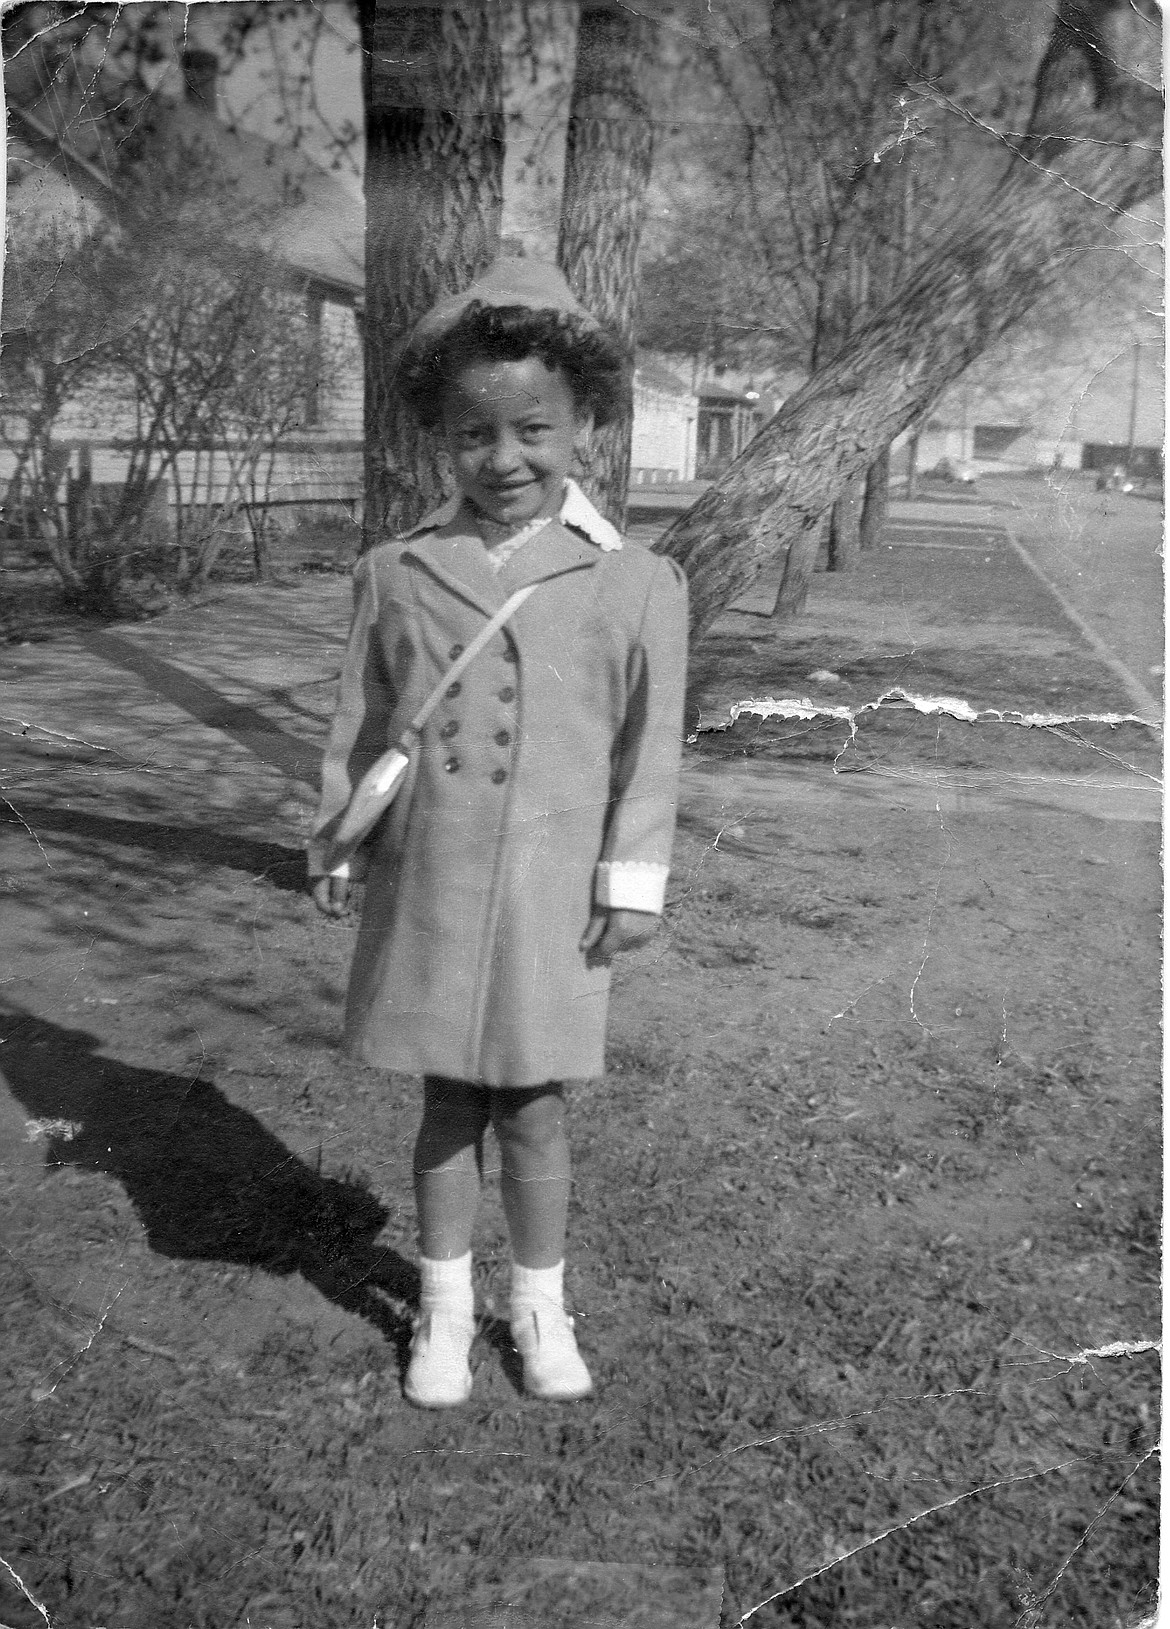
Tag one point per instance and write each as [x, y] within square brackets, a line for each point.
[666, 423]
[310, 222]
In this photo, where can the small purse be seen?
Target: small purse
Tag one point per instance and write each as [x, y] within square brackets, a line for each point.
[382, 782]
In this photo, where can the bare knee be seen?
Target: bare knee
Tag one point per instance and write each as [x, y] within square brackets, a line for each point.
[455, 1116]
[530, 1129]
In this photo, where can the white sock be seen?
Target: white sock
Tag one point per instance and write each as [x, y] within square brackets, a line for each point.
[536, 1287]
[446, 1286]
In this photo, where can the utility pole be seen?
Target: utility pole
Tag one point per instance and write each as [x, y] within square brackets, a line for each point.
[1133, 407]
[967, 450]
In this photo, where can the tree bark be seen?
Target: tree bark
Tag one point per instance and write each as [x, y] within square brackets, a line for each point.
[432, 85]
[845, 527]
[977, 282]
[799, 564]
[607, 171]
[912, 464]
[876, 504]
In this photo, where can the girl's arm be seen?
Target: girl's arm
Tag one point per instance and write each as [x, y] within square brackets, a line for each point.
[357, 736]
[630, 885]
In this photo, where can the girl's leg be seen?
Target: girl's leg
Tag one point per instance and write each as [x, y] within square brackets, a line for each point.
[534, 1180]
[535, 1174]
[448, 1165]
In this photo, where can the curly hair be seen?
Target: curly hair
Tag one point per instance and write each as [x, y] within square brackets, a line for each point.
[597, 372]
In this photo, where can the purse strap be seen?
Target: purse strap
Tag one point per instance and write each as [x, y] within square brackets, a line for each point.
[464, 661]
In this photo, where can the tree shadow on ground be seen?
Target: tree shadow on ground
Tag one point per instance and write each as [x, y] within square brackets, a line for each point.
[208, 1181]
[263, 736]
[283, 867]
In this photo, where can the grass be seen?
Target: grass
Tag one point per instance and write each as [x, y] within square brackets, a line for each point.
[873, 1168]
[804, 1331]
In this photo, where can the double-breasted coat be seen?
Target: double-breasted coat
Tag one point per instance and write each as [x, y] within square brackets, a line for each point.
[546, 780]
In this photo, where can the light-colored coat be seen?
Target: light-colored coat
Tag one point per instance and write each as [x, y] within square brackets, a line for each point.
[559, 753]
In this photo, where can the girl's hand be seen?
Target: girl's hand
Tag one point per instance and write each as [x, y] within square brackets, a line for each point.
[612, 931]
[331, 895]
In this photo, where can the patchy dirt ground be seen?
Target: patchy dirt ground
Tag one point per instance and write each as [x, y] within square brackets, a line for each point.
[866, 1205]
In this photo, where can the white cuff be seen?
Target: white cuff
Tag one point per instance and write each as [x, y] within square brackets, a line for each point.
[631, 885]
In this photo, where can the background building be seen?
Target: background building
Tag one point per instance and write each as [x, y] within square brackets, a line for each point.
[666, 426]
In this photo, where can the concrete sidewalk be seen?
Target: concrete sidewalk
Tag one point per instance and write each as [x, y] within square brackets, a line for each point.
[1103, 553]
[221, 707]
[1100, 554]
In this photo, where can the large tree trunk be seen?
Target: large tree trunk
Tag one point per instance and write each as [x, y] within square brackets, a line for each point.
[799, 564]
[434, 190]
[607, 170]
[845, 527]
[876, 504]
[979, 281]
[912, 463]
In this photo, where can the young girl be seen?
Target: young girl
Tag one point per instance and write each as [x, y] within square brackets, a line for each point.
[530, 842]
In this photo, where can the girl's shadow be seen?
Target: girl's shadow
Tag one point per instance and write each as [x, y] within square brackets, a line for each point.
[208, 1180]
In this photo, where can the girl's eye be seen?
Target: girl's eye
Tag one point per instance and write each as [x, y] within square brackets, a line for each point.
[533, 432]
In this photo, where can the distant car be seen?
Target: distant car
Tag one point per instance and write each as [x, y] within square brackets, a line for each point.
[952, 469]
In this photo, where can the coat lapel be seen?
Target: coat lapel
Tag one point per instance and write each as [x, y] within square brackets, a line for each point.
[459, 560]
[551, 552]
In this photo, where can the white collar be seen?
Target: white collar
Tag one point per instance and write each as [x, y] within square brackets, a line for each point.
[579, 513]
[576, 512]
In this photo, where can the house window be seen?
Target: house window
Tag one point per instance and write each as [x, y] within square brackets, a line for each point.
[1145, 462]
[994, 440]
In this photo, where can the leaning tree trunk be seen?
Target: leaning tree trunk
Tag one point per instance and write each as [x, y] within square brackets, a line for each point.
[876, 504]
[607, 171]
[432, 85]
[975, 285]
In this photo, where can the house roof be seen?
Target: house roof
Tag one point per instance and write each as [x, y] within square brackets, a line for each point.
[38, 193]
[318, 225]
[656, 377]
[313, 223]
[709, 391]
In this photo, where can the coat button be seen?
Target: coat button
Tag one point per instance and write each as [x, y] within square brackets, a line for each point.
[451, 765]
[454, 689]
[499, 776]
[503, 738]
[449, 729]
[454, 653]
[506, 694]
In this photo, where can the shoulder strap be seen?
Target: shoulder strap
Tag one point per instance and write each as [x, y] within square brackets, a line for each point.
[463, 662]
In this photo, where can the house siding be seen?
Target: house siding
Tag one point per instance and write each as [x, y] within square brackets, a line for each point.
[317, 463]
[340, 406]
[663, 440]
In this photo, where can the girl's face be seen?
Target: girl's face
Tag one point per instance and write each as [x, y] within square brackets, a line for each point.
[512, 429]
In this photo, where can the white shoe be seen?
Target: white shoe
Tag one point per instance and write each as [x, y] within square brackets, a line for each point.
[439, 1375]
[553, 1367]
